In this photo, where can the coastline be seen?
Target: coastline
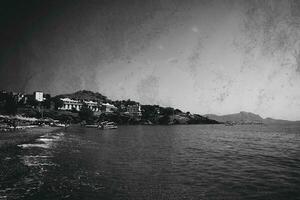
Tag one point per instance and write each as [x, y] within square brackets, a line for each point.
[14, 138]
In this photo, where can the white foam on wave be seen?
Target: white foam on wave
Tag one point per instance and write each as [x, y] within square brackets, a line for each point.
[46, 146]
[45, 139]
[38, 156]
[37, 160]
[48, 137]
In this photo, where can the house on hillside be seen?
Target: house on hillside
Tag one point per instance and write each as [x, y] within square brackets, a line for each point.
[70, 104]
[134, 110]
[38, 96]
[94, 106]
[108, 108]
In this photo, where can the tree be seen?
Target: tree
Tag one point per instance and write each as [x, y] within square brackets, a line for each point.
[32, 101]
[165, 119]
[11, 105]
[74, 110]
[167, 111]
[58, 103]
[86, 114]
[47, 102]
[177, 111]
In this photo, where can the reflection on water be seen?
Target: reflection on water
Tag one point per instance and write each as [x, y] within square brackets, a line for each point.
[36, 160]
[24, 168]
[156, 162]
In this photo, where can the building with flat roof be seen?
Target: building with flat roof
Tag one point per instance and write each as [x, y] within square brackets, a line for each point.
[38, 96]
[134, 110]
[94, 106]
[108, 108]
[69, 104]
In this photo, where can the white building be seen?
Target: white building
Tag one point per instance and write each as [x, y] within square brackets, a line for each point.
[92, 105]
[69, 104]
[39, 96]
[109, 107]
[134, 110]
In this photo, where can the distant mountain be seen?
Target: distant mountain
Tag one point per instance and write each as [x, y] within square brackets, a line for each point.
[279, 121]
[241, 118]
[247, 118]
[86, 95]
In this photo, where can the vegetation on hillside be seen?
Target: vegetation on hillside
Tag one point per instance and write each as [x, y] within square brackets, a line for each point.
[86, 95]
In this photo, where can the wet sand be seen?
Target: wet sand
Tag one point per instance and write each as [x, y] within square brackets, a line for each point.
[9, 139]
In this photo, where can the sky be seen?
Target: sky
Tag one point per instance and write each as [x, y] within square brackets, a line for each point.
[209, 56]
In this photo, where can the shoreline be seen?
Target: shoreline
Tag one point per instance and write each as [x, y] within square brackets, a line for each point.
[14, 138]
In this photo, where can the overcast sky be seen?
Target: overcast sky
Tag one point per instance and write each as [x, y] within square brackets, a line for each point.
[208, 56]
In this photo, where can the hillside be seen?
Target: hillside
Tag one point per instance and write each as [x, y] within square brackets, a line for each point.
[86, 95]
[151, 114]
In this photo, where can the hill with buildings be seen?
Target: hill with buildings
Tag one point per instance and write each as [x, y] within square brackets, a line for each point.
[128, 111]
[86, 95]
[93, 107]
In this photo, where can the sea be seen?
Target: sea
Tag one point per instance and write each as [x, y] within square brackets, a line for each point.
[156, 163]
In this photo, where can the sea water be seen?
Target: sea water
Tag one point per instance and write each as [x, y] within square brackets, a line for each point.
[156, 162]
